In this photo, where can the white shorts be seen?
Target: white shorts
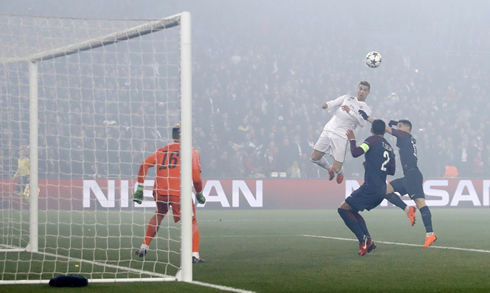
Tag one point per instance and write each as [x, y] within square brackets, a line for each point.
[332, 144]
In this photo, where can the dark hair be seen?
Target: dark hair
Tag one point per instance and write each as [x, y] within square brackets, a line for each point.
[176, 131]
[406, 122]
[379, 127]
[363, 82]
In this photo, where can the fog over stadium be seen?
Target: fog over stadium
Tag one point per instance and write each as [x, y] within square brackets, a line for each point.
[274, 63]
[261, 71]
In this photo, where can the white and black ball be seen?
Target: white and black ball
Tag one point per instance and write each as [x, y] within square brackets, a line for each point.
[373, 59]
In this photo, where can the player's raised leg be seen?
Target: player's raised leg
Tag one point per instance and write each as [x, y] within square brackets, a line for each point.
[398, 186]
[318, 158]
[397, 201]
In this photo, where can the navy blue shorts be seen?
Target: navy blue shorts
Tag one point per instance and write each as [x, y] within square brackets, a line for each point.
[366, 199]
[411, 184]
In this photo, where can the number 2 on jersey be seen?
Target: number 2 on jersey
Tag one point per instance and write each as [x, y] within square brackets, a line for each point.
[387, 156]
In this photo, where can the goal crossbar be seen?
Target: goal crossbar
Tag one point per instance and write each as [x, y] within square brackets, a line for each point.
[109, 39]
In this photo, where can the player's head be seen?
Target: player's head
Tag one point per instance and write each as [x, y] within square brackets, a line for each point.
[404, 125]
[176, 132]
[363, 89]
[378, 127]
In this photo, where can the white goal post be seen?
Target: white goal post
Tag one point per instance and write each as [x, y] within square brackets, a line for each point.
[69, 220]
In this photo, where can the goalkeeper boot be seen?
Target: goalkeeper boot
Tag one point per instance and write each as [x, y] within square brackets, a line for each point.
[197, 260]
[430, 239]
[142, 251]
[331, 174]
[364, 246]
[411, 215]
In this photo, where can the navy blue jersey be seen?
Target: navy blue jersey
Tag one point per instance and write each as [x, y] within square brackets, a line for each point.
[380, 161]
[407, 149]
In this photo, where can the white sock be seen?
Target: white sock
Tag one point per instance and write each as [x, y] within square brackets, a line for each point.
[340, 171]
[196, 255]
[322, 163]
[144, 246]
[429, 234]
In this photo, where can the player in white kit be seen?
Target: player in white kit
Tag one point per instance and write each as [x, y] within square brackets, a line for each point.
[333, 140]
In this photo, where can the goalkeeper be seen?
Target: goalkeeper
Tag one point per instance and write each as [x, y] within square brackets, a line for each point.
[166, 191]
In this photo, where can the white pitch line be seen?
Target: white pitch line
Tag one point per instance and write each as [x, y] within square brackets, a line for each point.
[223, 288]
[401, 244]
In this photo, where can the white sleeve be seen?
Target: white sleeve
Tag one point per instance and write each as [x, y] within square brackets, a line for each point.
[337, 102]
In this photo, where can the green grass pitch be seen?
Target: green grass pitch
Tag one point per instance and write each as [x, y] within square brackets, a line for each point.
[313, 251]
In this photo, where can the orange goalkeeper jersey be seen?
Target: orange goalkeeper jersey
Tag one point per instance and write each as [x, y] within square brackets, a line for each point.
[167, 161]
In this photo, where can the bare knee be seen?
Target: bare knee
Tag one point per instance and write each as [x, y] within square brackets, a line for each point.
[389, 188]
[345, 206]
[420, 202]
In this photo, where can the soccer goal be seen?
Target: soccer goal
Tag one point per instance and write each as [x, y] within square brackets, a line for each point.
[86, 100]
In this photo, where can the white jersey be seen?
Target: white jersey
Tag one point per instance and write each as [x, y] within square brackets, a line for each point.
[341, 120]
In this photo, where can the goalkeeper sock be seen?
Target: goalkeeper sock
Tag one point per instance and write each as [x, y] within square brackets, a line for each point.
[396, 200]
[426, 218]
[362, 224]
[351, 222]
[322, 163]
[195, 239]
[153, 226]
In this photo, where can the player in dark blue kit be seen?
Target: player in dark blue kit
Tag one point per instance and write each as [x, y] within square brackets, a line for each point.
[380, 161]
[412, 182]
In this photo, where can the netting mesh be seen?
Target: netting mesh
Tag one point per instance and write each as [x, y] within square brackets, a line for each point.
[101, 112]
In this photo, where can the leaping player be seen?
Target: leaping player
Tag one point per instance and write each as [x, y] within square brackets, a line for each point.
[333, 139]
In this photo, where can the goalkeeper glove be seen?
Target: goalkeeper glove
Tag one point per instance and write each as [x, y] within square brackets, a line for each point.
[138, 195]
[200, 198]
[363, 114]
[392, 123]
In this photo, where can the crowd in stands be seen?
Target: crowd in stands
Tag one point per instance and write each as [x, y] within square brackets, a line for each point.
[256, 104]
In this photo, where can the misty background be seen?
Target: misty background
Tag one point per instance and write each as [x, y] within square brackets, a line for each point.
[261, 71]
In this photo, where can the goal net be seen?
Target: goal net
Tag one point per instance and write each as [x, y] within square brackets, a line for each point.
[83, 103]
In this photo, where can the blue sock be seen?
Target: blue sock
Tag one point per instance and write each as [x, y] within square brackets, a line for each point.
[396, 200]
[362, 224]
[350, 221]
[427, 218]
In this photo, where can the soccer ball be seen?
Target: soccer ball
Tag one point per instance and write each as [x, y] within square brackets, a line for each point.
[373, 59]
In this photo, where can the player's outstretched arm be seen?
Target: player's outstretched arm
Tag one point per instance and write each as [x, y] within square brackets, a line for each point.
[371, 119]
[365, 116]
[354, 149]
[392, 123]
